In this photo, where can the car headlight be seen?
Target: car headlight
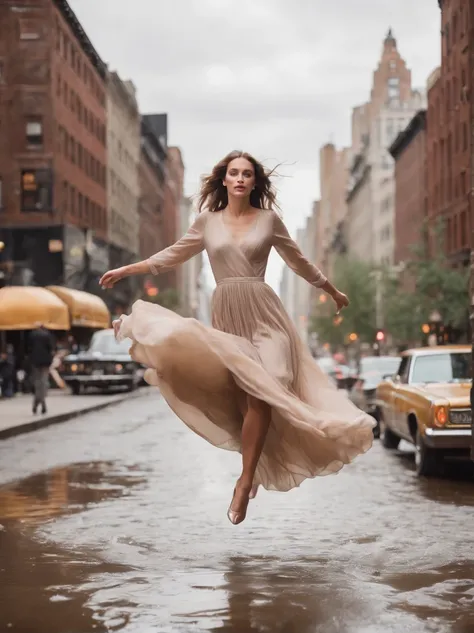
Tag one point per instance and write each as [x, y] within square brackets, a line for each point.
[118, 367]
[74, 368]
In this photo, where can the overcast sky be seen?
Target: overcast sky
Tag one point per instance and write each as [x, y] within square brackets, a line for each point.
[272, 77]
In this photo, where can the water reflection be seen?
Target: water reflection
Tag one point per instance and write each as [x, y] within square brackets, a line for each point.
[298, 596]
[42, 583]
[444, 593]
[65, 490]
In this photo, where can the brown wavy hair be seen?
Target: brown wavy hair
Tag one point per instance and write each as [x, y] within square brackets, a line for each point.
[213, 195]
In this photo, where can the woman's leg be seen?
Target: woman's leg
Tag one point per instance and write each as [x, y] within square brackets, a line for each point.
[254, 431]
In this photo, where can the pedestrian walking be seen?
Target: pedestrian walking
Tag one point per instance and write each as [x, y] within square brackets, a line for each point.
[41, 357]
[247, 384]
[7, 372]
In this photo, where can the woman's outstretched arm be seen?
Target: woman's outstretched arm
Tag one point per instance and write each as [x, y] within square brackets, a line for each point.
[291, 254]
[189, 245]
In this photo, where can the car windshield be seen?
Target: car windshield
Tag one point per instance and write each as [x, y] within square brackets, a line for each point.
[446, 367]
[105, 343]
[382, 366]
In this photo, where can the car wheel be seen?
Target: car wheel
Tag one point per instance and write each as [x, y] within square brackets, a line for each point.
[389, 439]
[428, 461]
[76, 389]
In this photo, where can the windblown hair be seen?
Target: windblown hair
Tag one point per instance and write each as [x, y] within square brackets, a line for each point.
[213, 195]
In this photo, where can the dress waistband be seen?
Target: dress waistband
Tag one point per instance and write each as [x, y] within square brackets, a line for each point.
[238, 280]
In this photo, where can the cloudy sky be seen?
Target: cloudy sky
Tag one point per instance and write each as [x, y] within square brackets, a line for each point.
[274, 78]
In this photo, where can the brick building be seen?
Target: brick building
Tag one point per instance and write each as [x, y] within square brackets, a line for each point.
[173, 196]
[152, 173]
[123, 189]
[448, 133]
[409, 152]
[53, 218]
[375, 125]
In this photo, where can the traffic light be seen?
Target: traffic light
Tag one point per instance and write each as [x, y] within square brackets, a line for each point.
[380, 336]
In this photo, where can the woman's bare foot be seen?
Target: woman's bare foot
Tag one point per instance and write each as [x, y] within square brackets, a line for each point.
[240, 500]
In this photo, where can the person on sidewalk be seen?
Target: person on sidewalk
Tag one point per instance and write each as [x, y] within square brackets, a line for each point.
[7, 372]
[41, 357]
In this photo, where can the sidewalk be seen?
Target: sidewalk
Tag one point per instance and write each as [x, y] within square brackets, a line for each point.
[16, 416]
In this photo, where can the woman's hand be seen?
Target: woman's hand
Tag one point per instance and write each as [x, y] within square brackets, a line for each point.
[110, 278]
[342, 300]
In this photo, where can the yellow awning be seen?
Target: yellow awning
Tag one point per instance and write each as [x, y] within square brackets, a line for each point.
[22, 307]
[85, 309]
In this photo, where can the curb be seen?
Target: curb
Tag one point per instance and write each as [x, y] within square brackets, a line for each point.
[43, 423]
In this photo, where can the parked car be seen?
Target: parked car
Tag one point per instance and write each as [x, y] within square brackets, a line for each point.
[339, 373]
[106, 364]
[371, 372]
[427, 403]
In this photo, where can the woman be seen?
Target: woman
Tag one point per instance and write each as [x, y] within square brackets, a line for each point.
[247, 384]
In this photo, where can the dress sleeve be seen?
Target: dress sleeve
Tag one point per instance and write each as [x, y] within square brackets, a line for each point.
[291, 254]
[189, 245]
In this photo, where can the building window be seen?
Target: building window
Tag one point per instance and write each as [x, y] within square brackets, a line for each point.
[34, 132]
[464, 137]
[29, 30]
[2, 71]
[79, 155]
[393, 88]
[73, 201]
[80, 205]
[1, 194]
[73, 150]
[65, 196]
[463, 228]
[36, 190]
[393, 64]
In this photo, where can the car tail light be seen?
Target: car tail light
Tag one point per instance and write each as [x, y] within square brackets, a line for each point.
[441, 416]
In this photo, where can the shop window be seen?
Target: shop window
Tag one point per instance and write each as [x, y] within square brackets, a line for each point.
[36, 190]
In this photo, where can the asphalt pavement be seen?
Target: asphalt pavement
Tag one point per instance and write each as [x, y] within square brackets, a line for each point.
[116, 521]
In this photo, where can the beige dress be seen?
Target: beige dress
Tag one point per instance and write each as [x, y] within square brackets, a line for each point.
[253, 346]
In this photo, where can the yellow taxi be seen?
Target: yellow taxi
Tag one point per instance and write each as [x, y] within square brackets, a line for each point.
[428, 404]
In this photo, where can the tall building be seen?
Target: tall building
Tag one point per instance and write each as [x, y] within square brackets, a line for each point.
[190, 270]
[409, 152]
[296, 294]
[333, 176]
[174, 191]
[152, 176]
[449, 141]
[123, 187]
[53, 218]
[375, 125]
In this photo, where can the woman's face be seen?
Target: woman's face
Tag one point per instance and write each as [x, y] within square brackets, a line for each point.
[239, 178]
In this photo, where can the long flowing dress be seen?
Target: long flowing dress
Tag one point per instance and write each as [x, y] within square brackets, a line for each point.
[253, 346]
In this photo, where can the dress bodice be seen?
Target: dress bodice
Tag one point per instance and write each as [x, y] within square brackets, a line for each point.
[243, 257]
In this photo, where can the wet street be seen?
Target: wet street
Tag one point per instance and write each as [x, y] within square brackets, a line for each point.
[117, 522]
